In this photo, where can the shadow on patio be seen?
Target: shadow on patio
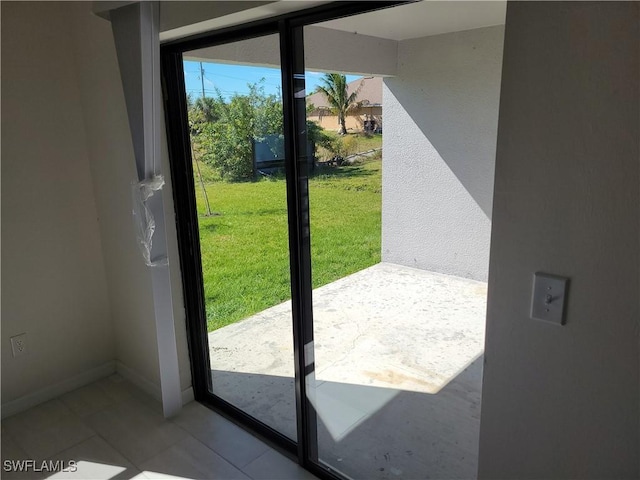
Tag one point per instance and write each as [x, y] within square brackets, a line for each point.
[398, 357]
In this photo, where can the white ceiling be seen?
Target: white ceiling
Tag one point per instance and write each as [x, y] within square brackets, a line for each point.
[398, 23]
[423, 19]
[184, 18]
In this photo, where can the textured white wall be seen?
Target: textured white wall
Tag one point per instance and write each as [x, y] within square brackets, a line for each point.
[345, 52]
[562, 402]
[54, 285]
[440, 127]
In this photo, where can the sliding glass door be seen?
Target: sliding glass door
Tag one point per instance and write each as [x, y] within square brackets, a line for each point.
[297, 329]
[234, 99]
[243, 156]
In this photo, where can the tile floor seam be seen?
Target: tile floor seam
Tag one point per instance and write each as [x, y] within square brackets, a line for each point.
[191, 434]
[170, 420]
[138, 465]
[255, 460]
[56, 452]
[250, 476]
[64, 402]
[235, 425]
[243, 466]
[117, 450]
[50, 457]
[217, 453]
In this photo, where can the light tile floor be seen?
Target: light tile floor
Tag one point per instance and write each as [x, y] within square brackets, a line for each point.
[112, 430]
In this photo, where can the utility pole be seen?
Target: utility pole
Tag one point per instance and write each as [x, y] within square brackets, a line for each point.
[202, 78]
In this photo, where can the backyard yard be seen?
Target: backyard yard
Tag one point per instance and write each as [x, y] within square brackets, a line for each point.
[245, 262]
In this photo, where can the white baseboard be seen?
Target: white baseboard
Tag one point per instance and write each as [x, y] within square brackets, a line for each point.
[40, 396]
[53, 391]
[139, 381]
[188, 396]
[149, 387]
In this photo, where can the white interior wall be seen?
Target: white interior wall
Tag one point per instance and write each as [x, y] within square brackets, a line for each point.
[113, 167]
[440, 127]
[562, 402]
[73, 276]
[54, 285]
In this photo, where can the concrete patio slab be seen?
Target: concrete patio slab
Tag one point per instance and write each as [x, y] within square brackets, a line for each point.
[398, 371]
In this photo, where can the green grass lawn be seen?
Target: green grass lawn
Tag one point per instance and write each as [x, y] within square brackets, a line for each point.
[368, 142]
[245, 261]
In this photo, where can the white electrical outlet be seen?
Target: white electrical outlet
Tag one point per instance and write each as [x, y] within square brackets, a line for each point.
[19, 344]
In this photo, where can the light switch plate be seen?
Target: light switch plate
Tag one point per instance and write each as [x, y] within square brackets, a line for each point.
[549, 298]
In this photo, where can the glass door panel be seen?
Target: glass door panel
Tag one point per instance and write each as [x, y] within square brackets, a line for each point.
[397, 344]
[236, 125]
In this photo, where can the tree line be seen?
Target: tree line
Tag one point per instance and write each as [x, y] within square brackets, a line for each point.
[223, 130]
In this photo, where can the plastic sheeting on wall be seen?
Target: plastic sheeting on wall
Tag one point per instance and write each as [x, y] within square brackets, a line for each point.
[143, 218]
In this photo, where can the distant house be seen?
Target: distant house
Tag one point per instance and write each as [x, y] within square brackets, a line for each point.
[368, 116]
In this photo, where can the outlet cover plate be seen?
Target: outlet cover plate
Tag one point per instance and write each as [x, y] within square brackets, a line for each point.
[19, 344]
[549, 298]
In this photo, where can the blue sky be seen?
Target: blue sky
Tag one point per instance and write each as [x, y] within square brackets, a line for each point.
[234, 78]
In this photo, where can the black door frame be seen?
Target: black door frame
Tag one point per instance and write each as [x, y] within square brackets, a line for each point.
[289, 27]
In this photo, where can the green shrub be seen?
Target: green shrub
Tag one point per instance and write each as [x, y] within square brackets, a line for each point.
[226, 142]
[341, 146]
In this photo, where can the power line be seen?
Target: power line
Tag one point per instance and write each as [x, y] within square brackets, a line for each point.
[203, 73]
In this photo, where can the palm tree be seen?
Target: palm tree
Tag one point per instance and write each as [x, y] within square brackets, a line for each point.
[208, 108]
[334, 86]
